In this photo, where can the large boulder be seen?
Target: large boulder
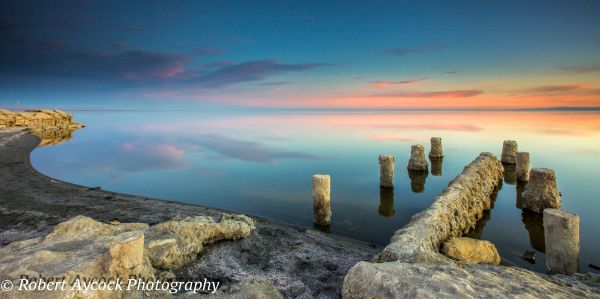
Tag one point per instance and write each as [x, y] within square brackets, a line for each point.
[471, 250]
[80, 247]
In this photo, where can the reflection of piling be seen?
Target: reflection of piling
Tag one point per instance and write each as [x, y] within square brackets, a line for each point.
[436, 166]
[520, 188]
[510, 174]
[561, 231]
[386, 202]
[417, 180]
[523, 166]
[321, 199]
[541, 191]
[417, 160]
[386, 171]
[436, 150]
[509, 152]
[535, 227]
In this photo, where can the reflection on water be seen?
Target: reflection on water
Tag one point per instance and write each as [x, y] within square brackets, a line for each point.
[417, 180]
[386, 202]
[53, 136]
[258, 163]
[520, 188]
[535, 227]
[477, 231]
[436, 166]
[510, 173]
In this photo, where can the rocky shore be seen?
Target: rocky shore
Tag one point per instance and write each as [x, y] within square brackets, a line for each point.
[273, 260]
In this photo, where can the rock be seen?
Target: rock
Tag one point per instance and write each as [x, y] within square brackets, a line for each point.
[529, 256]
[561, 232]
[38, 119]
[426, 280]
[386, 171]
[177, 242]
[471, 251]
[87, 248]
[509, 152]
[417, 160]
[436, 150]
[321, 191]
[80, 246]
[541, 191]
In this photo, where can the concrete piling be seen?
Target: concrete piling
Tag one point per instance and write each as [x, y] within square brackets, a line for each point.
[321, 199]
[417, 160]
[561, 236]
[436, 150]
[540, 192]
[509, 152]
[522, 166]
[386, 171]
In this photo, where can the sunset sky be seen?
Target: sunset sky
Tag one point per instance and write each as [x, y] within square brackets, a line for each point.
[299, 54]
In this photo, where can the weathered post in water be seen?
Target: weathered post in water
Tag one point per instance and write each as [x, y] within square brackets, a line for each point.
[541, 191]
[436, 150]
[523, 166]
[321, 199]
[509, 152]
[386, 171]
[561, 235]
[417, 160]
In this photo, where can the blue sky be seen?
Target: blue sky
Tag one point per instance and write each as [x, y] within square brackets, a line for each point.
[397, 54]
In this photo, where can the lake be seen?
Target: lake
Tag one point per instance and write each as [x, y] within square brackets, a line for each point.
[261, 163]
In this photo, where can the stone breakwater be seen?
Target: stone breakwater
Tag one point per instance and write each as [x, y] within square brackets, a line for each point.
[453, 213]
[412, 267]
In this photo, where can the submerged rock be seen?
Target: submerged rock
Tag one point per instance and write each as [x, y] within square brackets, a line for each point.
[540, 192]
[529, 256]
[472, 251]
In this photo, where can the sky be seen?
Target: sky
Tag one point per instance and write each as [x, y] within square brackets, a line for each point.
[299, 54]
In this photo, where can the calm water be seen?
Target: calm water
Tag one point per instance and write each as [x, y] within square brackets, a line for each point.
[262, 164]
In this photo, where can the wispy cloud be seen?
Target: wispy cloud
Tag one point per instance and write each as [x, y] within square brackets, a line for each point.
[431, 94]
[580, 69]
[383, 83]
[251, 71]
[416, 50]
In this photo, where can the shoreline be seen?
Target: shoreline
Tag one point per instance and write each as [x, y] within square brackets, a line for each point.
[298, 261]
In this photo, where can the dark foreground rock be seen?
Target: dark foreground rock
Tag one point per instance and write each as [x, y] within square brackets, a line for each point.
[299, 262]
